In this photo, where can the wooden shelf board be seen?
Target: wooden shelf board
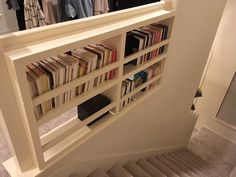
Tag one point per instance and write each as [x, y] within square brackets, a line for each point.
[60, 133]
[65, 143]
[130, 69]
[73, 84]
[70, 143]
[76, 101]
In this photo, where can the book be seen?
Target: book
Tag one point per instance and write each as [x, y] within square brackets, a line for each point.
[68, 71]
[112, 59]
[140, 78]
[61, 75]
[91, 59]
[164, 35]
[138, 45]
[155, 38]
[149, 39]
[128, 89]
[42, 82]
[52, 79]
[159, 36]
[82, 71]
[145, 38]
[34, 92]
[129, 49]
[100, 63]
[74, 64]
[107, 58]
[131, 87]
[123, 92]
[149, 72]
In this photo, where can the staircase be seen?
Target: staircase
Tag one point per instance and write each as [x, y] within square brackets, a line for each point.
[181, 163]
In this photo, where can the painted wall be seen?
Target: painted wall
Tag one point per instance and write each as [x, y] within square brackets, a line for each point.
[8, 21]
[162, 120]
[221, 69]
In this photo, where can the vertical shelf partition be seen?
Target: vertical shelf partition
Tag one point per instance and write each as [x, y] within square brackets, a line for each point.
[23, 48]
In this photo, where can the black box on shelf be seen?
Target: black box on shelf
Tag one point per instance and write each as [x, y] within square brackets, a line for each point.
[92, 106]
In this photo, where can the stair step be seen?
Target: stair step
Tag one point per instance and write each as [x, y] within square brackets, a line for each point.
[197, 165]
[163, 168]
[172, 166]
[98, 173]
[150, 169]
[184, 165]
[74, 175]
[200, 166]
[135, 170]
[205, 162]
[118, 171]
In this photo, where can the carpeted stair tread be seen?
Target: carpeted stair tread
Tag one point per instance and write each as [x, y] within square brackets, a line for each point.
[185, 164]
[135, 170]
[171, 165]
[150, 169]
[98, 173]
[163, 168]
[205, 162]
[180, 164]
[203, 167]
[118, 171]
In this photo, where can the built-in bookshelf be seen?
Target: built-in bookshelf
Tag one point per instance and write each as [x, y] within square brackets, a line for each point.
[54, 69]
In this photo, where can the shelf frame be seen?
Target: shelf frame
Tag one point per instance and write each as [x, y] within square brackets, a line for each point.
[21, 48]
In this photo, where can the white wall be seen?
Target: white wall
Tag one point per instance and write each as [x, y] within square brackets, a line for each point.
[162, 120]
[8, 21]
[219, 74]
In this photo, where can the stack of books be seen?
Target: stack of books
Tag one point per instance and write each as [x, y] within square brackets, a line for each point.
[138, 79]
[50, 73]
[144, 37]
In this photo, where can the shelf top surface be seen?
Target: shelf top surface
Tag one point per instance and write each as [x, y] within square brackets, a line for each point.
[25, 47]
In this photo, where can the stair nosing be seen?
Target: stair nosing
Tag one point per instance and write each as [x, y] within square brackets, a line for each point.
[133, 163]
[180, 165]
[160, 173]
[172, 173]
[172, 166]
[199, 164]
[189, 165]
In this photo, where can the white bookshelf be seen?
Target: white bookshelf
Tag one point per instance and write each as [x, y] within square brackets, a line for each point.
[22, 48]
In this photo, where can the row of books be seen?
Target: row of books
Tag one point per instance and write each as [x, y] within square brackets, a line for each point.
[138, 79]
[144, 37]
[50, 73]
